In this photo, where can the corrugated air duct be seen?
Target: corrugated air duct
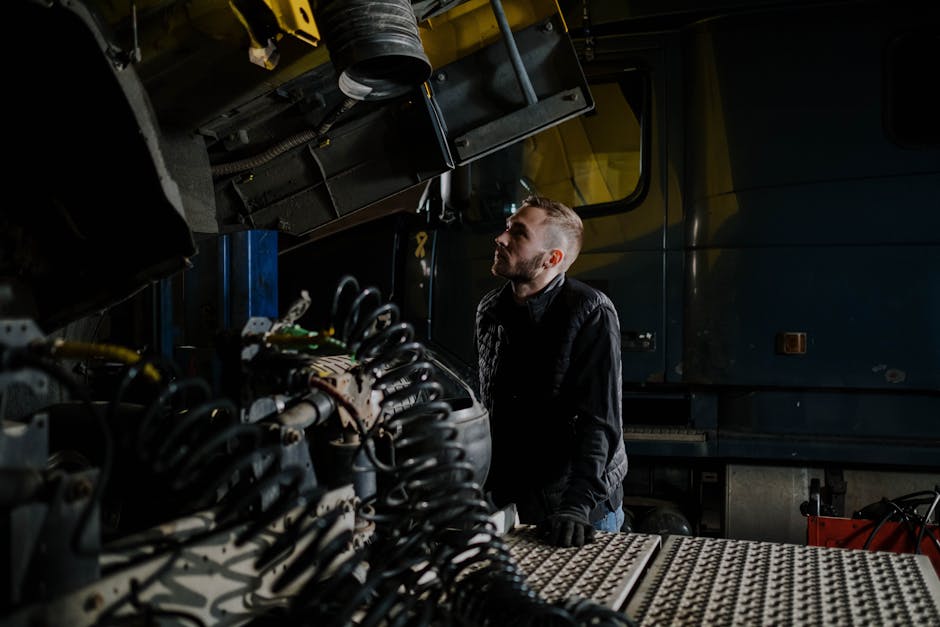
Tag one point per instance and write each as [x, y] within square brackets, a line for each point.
[374, 46]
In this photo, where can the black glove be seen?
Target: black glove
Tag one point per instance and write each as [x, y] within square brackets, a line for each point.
[566, 529]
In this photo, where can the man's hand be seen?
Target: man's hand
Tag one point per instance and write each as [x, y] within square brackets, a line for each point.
[566, 529]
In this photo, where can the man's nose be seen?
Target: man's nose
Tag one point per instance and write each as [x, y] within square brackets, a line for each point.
[501, 239]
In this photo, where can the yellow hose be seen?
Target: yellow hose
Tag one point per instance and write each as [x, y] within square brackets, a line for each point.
[67, 349]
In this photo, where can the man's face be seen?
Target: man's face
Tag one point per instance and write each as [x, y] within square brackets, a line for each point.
[521, 249]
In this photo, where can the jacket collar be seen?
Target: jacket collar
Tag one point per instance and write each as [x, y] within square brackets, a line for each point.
[536, 305]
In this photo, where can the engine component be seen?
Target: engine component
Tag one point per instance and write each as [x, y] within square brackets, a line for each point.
[374, 46]
[215, 509]
[193, 570]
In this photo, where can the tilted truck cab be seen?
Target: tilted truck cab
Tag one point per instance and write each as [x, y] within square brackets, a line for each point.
[760, 193]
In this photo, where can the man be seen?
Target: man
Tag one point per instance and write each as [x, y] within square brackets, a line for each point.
[549, 363]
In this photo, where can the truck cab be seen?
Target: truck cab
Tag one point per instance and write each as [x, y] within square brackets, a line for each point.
[759, 189]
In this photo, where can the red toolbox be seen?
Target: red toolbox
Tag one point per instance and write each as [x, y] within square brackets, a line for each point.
[852, 533]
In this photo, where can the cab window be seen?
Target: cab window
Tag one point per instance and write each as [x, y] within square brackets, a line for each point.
[593, 160]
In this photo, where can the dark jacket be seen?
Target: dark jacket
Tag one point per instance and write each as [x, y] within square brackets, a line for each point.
[550, 378]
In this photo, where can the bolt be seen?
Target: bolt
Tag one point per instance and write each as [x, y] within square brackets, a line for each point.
[292, 436]
[94, 602]
[462, 142]
[78, 489]
[570, 97]
[548, 27]
[441, 77]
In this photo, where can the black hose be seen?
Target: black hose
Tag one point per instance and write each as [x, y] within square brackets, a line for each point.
[292, 532]
[286, 144]
[435, 557]
[198, 451]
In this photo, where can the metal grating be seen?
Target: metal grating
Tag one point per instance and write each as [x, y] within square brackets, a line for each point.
[180, 566]
[604, 571]
[707, 581]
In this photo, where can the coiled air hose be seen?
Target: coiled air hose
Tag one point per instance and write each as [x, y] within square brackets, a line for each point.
[436, 557]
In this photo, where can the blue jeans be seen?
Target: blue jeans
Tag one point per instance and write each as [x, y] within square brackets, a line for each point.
[611, 522]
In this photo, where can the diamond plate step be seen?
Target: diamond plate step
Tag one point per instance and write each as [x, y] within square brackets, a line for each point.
[604, 571]
[709, 581]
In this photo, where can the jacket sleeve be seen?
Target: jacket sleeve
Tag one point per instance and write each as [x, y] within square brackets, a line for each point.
[594, 377]
[477, 353]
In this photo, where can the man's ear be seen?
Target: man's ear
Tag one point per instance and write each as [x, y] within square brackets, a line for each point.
[556, 256]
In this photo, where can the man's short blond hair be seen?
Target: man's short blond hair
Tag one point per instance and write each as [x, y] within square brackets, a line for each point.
[566, 229]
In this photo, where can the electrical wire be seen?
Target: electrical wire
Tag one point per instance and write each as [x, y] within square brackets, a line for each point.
[286, 144]
[68, 349]
[197, 447]
[107, 615]
[293, 531]
[926, 521]
[904, 510]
